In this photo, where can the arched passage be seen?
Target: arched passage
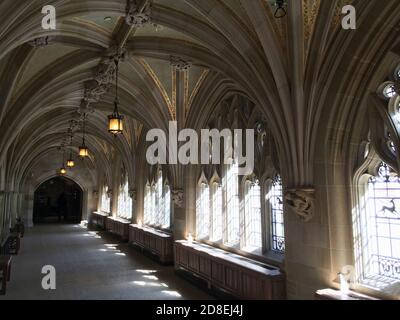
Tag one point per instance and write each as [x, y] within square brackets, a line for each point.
[58, 199]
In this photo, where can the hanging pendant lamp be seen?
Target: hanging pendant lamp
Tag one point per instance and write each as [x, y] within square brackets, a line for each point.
[63, 171]
[70, 161]
[115, 120]
[83, 150]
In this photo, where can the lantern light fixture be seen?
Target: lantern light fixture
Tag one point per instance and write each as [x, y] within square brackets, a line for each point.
[115, 120]
[83, 150]
[70, 161]
[63, 171]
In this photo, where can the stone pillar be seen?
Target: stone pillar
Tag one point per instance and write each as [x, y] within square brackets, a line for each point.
[133, 195]
[179, 214]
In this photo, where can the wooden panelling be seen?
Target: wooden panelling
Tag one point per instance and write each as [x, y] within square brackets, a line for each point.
[239, 276]
[217, 272]
[98, 219]
[156, 242]
[205, 267]
[119, 227]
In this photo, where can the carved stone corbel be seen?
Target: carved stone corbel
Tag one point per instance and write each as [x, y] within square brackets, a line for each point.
[133, 194]
[109, 193]
[301, 202]
[180, 64]
[135, 17]
[41, 42]
[95, 194]
[177, 197]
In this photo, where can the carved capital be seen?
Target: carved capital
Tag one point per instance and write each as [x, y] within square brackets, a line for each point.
[135, 16]
[41, 42]
[95, 193]
[301, 202]
[177, 197]
[179, 64]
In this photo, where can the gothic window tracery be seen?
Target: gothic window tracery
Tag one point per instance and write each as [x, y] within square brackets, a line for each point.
[105, 200]
[380, 226]
[157, 203]
[124, 199]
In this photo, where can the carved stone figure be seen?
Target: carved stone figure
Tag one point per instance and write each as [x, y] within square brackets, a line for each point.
[301, 202]
[133, 194]
[109, 193]
[136, 18]
[41, 42]
[177, 197]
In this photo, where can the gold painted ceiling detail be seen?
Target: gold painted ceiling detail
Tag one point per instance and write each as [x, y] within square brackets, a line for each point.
[160, 87]
[196, 89]
[310, 12]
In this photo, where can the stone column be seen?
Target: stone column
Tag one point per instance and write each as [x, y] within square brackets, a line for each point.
[179, 214]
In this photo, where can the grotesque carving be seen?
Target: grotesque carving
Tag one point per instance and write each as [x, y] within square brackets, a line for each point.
[179, 64]
[177, 197]
[133, 194]
[301, 202]
[40, 42]
[109, 193]
[105, 73]
[135, 16]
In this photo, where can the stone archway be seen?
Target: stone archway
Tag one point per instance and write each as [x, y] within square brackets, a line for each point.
[58, 199]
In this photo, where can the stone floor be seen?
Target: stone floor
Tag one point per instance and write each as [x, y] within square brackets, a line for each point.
[91, 265]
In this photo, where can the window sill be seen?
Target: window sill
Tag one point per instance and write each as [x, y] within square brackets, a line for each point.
[376, 287]
[270, 257]
[331, 294]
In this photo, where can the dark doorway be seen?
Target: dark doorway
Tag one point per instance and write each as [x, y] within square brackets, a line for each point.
[58, 200]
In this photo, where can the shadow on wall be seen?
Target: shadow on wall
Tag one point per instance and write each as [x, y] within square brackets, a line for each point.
[58, 200]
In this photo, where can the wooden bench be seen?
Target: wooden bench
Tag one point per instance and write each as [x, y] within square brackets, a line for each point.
[119, 227]
[158, 243]
[230, 273]
[98, 219]
[19, 228]
[12, 245]
[5, 269]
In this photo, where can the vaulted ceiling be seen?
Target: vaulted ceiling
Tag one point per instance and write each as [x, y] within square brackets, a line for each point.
[288, 67]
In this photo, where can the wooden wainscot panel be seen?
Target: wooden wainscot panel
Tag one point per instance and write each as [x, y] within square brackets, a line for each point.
[217, 272]
[98, 219]
[254, 287]
[205, 267]
[158, 243]
[241, 277]
[233, 279]
[194, 262]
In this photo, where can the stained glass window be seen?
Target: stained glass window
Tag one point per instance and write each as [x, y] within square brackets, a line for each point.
[157, 204]
[203, 211]
[232, 205]
[124, 201]
[380, 222]
[252, 228]
[275, 202]
[216, 212]
[105, 200]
